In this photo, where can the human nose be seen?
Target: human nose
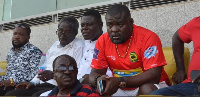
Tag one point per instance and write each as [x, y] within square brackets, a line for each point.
[114, 28]
[17, 36]
[67, 71]
[63, 34]
[84, 27]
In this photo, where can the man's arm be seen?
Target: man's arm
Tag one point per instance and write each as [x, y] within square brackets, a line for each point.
[150, 76]
[94, 73]
[112, 83]
[178, 51]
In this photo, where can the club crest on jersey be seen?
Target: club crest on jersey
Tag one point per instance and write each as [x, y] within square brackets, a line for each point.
[150, 52]
[96, 53]
[133, 57]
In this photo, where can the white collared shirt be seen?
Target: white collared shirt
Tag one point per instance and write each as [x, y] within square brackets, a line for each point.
[74, 49]
[86, 60]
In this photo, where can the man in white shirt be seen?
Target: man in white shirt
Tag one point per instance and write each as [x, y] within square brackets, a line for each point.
[91, 29]
[67, 44]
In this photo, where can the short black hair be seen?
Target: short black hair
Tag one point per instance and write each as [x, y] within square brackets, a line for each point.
[25, 26]
[94, 13]
[66, 56]
[72, 21]
[118, 8]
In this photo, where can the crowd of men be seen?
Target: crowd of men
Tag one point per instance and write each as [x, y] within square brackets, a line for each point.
[127, 60]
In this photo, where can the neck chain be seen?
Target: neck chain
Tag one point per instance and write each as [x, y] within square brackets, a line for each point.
[126, 49]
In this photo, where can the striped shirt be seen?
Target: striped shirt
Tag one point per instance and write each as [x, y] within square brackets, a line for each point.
[79, 90]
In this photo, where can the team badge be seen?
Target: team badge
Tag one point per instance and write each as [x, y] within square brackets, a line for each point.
[150, 52]
[96, 53]
[133, 57]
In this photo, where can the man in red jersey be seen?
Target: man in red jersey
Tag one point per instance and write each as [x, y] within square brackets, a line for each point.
[185, 85]
[133, 54]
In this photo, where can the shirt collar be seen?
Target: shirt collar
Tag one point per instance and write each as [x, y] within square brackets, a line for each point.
[89, 41]
[76, 89]
[21, 48]
[70, 45]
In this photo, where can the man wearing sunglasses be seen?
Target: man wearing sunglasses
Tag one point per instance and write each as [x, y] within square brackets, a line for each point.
[65, 73]
[67, 44]
[22, 60]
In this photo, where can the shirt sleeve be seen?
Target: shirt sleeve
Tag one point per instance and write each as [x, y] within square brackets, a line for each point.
[185, 32]
[152, 53]
[99, 59]
[30, 70]
[78, 53]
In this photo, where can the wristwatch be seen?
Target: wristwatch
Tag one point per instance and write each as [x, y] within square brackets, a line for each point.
[122, 83]
[12, 83]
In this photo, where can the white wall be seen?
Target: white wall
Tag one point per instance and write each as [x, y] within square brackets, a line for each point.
[163, 20]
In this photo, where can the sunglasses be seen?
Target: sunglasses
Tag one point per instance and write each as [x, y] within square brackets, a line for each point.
[20, 25]
[62, 69]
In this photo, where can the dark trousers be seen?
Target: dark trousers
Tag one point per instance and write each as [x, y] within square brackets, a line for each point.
[33, 91]
[3, 92]
[182, 89]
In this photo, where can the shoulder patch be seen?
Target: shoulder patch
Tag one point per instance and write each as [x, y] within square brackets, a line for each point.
[96, 53]
[150, 52]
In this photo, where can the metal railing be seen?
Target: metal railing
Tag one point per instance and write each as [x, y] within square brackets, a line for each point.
[77, 12]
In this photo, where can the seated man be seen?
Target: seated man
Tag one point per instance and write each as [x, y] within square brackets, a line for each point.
[65, 73]
[91, 29]
[134, 55]
[22, 60]
[185, 34]
[67, 44]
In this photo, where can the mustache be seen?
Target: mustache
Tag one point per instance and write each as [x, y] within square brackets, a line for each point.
[66, 76]
[114, 34]
[17, 46]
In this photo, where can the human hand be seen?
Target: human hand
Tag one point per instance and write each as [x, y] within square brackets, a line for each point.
[45, 75]
[111, 87]
[86, 79]
[5, 83]
[179, 76]
[26, 85]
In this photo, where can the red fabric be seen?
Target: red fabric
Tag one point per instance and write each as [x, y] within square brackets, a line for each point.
[106, 55]
[191, 32]
[85, 91]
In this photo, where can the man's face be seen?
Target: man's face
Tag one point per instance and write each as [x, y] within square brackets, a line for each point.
[65, 34]
[65, 72]
[20, 37]
[90, 28]
[119, 27]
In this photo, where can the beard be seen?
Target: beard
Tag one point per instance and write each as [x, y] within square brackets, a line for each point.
[17, 45]
[120, 40]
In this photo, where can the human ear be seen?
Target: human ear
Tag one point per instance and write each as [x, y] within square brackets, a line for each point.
[101, 25]
[53, 74]
[131, 21]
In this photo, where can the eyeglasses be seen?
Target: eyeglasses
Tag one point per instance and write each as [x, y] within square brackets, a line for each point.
[23, 26]
[60, 32]
[20, 25]
[63, 69]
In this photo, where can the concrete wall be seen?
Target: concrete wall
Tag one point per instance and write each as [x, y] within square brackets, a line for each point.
[1, 9]
[163, 20]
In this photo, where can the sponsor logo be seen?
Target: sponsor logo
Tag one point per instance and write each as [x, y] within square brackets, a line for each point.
[150, 52]
[112, 57]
